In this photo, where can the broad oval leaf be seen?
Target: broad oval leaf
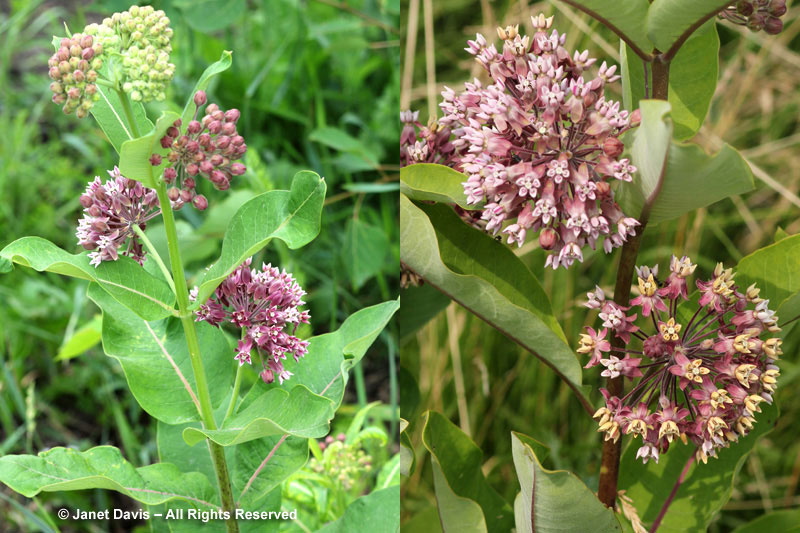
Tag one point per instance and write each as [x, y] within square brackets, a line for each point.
[298, 412]
[487, 278]
[670, 22]
[260, 466]
[651, 143]
[291, 216]
[156, 361]
[774, 269]
[129, 284]
[134, 156]
[626, 19]
[435, 183]
[219, 66]
[648, 485]
[377, 511]
[420, 305]
[554, 500]
[462, 491]
[110, 116]
[103, 467]
[785, 521]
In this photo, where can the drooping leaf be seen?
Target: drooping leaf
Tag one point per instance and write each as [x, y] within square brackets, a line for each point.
[434, 183]
[365, 250]
[103, 467]
[84, 338]
[124, 279]
[223, 64]
[291, 216]
[706, 488]
[110, 116]
[462, 492]
[134, 156]
[626, 19]
[297, 412]
[554, 500]
[377, 511]
[208, 16]
[156, 361]
[487, 278]
[670, 22]
[419, 306]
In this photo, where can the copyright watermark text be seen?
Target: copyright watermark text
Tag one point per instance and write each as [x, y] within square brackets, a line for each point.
[175, 514]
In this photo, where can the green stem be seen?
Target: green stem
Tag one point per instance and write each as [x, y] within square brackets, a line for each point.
[126, 108]
[237, 383]
[154, 254]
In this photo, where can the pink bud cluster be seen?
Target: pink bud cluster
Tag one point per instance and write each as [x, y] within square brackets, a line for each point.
[73, 69]
[757, 15]
[703, 376]
[110, 210]
[424, 144]
[264, 303]
[209, 147]
[540, 144]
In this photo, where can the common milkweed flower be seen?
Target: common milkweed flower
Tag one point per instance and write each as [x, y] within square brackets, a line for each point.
[110, 211]
[73, 69]
[540, 144]
[209, 148]
[757, 15]
[703, 378]
[265, 304]
[424, 144]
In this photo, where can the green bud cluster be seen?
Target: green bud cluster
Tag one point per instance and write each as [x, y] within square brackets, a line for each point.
[141, 38]
[73, 69]
[344, 464]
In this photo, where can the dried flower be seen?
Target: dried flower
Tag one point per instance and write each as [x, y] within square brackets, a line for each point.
[265, 304]
[73, 69]
[111, 209]
[209, 148]
[539, 144]
[705, 378]
[757, 15]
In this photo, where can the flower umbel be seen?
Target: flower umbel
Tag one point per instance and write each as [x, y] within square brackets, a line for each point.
[757, 15]
[265, 304]
[705, 376]
[73, 69]
[110, 210]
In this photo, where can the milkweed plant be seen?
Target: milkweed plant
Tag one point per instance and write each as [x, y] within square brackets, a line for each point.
[534, 153]
[185, 353]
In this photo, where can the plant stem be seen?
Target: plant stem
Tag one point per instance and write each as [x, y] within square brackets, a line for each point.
[668, 501]
[154, 253]
[236, 385]
[609, 469]
[126, 107]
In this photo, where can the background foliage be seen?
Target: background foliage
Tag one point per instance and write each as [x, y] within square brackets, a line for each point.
[317, 84]
[487, 384]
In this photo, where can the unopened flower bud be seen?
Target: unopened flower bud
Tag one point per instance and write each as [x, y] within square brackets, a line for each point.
[170, 174]
[206, 167]
[186, 195]
[200, 202]
[777, 8]
[773, 25]
[173, 131]
[87, 54]
[232, 115]
[744, 8]
[214, 127]
[547, 238]
[613, 147]
[173, 193]
[194, 127]
[199, 98]
[155, 160]
[237, 169]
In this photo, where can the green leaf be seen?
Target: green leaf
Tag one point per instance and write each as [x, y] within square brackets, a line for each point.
[774, 269]
[156, 361]
[651, 143]
[389, 474]
[407, 458]
[173, 449]
[134, 156]
[365, 250]
[342, 141]
[358, 421]
[124, 279]
[84, 338]
[560, 501]
[693, 179]
[487, 278]
[260, 466]
[298, 412]
[223, 64]
[434, 183]
[695, 502]
[670, 22]
[291, 216]
[208, 16]
[103, 467]
[377, 511]
[110, 116]
[626, 19]
[785, 521]
[420, 305]
[466, 500]
[633, 77]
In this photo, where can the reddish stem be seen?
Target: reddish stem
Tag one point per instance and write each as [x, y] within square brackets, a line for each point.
[668, 501]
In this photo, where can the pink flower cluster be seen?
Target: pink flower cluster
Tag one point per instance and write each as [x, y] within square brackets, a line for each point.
[540, 144]
[704, 378]
[264, 303]
[424, 144]
[110, 210]
[208, 147]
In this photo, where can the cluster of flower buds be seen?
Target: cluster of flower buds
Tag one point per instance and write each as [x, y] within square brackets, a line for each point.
[141, 36]
[540, 144]
[265, 304]
[73, 69]
[344, 464]
[704, 377]
[757, 14]
[110, 210]
[424, 144]
[209, 147]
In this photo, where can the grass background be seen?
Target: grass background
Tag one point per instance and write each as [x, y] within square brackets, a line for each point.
[755, 109]
[317, 84]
